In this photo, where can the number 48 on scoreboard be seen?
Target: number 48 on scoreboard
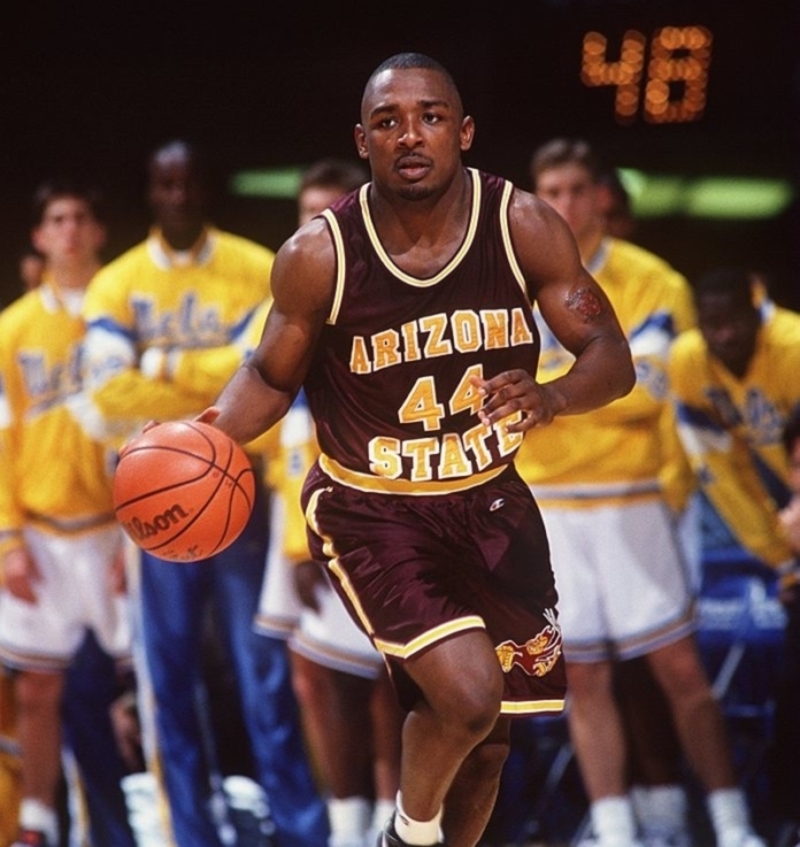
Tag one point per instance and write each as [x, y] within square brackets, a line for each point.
[677, 73]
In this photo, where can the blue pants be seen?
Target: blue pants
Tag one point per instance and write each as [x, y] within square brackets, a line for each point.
[174, 601]
[89, 690]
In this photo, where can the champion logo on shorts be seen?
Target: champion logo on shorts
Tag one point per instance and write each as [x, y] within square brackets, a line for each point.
[497, 504]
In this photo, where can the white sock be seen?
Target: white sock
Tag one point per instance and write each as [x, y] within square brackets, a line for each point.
[349, 819]
[613, 820]
[727, 809]
[381, 812]
[660, 809]
[33, 814]
[416, 833]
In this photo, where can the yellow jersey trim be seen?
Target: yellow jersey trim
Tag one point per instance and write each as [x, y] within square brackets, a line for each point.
[453, 263]
[338, 246]
[385, 485]
[506, 231]
[335, 567]
[438, 633]
[530, 707]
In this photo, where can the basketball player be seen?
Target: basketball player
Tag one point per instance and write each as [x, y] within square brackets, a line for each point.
[351, 717]
[192, 287]
[59, 541]
[624, 588]
[734, 380]
[405, 314]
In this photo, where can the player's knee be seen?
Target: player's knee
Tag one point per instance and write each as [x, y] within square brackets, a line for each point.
[683, 677]
[476, 706]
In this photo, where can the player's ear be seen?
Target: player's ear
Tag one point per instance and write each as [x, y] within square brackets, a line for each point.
[36, 239]
[467, 132]
[361, 141]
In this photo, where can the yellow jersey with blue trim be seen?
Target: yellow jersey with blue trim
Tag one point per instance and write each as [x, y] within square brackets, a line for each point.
[153, 297]
[52, 472]
[732, 429]
[618, 452]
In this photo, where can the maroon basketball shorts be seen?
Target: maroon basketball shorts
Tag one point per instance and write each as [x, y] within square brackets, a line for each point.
[415, 570]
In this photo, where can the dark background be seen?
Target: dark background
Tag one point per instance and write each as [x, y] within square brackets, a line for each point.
[90, 88]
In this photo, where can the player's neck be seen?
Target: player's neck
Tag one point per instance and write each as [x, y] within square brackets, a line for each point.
[73, 277]
[183, 239]
[431, 222]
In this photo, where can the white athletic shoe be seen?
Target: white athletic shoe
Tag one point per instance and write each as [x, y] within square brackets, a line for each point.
[248, 811]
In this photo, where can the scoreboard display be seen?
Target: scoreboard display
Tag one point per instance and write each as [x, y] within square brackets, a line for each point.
[665, 77]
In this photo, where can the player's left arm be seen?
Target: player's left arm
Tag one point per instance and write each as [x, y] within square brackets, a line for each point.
[117, 397]
[580, 316]
[205, 370]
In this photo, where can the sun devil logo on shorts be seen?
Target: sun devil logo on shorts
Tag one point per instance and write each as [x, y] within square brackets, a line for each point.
[538, 655]
[139, 530]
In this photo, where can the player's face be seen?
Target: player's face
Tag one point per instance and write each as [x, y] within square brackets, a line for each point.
[571, 191]
[729, 324]
[69, 235]
[315, 199]
[177, 198]
[413, 132]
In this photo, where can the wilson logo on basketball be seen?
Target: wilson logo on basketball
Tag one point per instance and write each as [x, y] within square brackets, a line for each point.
[140, 530]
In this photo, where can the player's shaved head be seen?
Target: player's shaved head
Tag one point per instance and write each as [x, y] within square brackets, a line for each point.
[413, 61]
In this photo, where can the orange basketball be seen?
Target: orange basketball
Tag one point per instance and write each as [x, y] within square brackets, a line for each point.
[183, 490]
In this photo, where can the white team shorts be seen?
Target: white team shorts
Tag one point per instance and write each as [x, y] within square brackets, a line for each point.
[74, 595]
[329, 638]
[623, 586]
[279, 607]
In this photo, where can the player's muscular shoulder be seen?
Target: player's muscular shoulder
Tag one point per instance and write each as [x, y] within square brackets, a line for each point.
[543, 242]
[304, 272]
[533, 223]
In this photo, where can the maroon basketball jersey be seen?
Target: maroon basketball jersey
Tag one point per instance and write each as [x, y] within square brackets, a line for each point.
[390, 385]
